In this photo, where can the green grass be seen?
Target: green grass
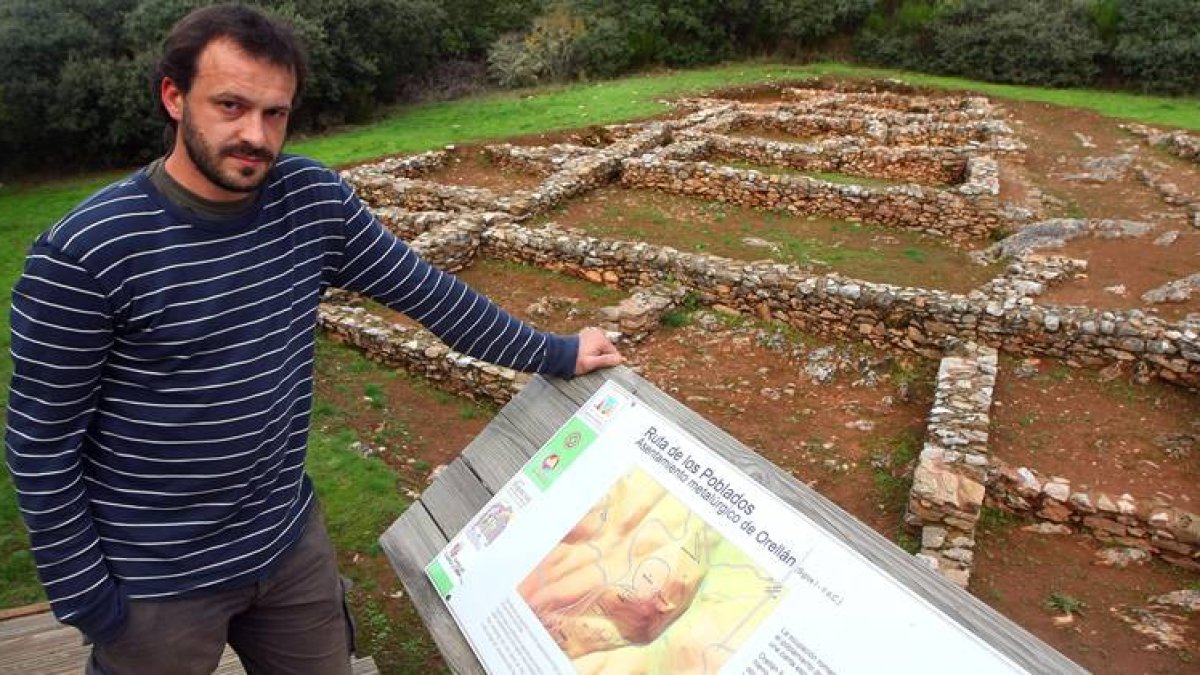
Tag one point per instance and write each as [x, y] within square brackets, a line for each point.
[992, 520]
[892, 457]
[375, 395]
[358, 493]
[417, 128]
[676, 318]
[1064, 604]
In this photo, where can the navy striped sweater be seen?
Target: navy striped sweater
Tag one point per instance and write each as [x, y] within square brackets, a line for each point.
[162, 385]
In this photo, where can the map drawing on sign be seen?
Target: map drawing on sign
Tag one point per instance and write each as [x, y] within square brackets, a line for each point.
[643, 584]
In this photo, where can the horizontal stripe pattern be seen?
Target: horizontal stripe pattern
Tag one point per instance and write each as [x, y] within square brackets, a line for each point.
[162, 385]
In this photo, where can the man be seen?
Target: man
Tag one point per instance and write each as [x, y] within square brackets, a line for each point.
[163, 346]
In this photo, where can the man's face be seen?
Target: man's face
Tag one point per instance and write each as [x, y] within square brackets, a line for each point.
[231, 125]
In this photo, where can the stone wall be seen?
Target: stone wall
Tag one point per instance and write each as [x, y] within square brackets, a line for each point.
[949, 108]
[990, 136]
[412, 166]
[537, 160]
[419, 352]
[1153, 525]
[937, 212]
[949, 479]
[955, 475]
[660, 155]
[881, 314]
[577, 174]
[849, 156]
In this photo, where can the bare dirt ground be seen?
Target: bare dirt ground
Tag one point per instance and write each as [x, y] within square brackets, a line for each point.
[849, 420]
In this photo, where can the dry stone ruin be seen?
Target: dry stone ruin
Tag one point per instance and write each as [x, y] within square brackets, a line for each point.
[934, 168]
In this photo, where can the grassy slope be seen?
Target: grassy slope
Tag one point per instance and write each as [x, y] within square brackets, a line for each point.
[508, 114]
[26, 210]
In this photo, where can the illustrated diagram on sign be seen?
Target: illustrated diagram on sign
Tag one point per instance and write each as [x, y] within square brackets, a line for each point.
[643, 584]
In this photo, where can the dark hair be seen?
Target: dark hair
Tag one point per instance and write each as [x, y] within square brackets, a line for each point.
[256, 33]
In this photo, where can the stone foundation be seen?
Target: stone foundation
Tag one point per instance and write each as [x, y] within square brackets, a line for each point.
[940, 213]
[884, 315]
[419, 352]
[950, 477]
[953, 142]
[1153, 525]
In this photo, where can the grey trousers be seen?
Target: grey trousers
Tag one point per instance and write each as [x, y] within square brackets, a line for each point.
[293, 622]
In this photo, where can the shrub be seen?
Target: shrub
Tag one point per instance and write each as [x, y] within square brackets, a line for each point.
[545, 53]
[792, 25]
[471, 27]
[1046, 42]
[74, 75]
[902, 38]
[1158, 45]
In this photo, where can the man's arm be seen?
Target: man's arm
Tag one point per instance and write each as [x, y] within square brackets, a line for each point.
[61, 334]
[378, 264]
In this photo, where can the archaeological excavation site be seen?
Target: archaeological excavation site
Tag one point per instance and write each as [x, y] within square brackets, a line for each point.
[973, 324]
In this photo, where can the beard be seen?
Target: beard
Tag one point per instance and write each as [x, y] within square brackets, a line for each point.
[208, 160]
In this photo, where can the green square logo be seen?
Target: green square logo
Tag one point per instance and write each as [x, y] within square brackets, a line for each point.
[441, 580]
[559, 453]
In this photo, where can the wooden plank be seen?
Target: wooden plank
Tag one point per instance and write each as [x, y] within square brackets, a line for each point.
[539, 410]
[997, 630]
[14, 612]
[410, 543]
[37, 644]
[364, 666]
[25, 624]
[40, 644]
[231, 665]
[454, 497]
[498, 452]
[504, 446]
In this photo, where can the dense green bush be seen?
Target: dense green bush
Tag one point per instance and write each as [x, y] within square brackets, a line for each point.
[623, 35]
[791, 26]
[74, 74]
[39, 41]
[1044, 42]
[901, 36]
[1158, 45]
[471, 26]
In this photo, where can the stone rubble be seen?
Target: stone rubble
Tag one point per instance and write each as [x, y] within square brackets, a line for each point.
[1056, 232]
[1170, 193]
[1102, 169]
[1121, 557]
[1161, 621]
[640, 314]
[1180, 290]
[1178, 143]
